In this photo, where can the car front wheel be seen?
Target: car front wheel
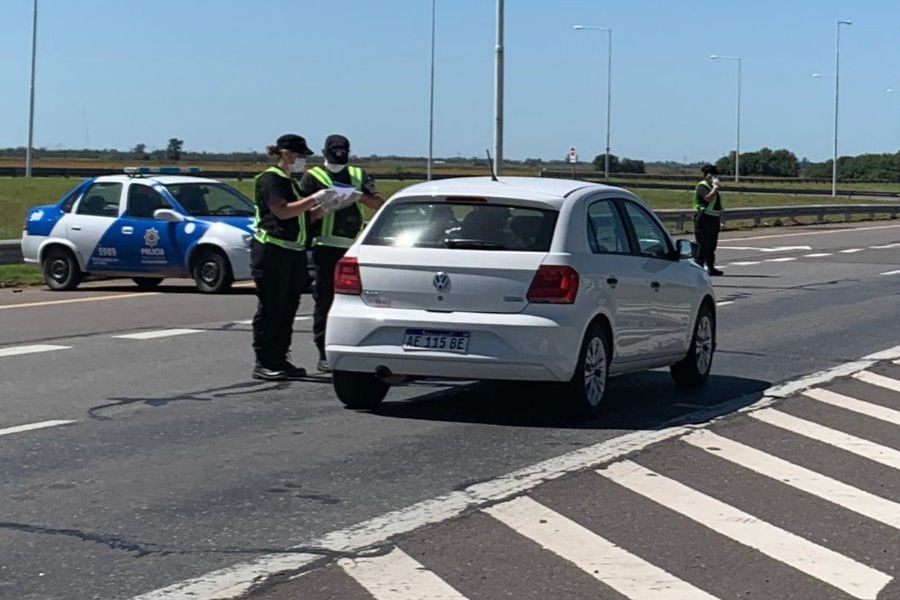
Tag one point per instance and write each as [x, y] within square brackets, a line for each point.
[587, 388]
[359, 390]
[61, 271]
[211, 272]
[693, 370]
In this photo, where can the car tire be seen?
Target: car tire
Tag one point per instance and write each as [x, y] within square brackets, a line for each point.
[586, 390]
[359, 390]
[147, 283]
[693, 370]
[211, 272]
[61, 270]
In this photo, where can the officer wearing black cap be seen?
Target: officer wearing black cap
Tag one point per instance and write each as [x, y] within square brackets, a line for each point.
[278, 257]
[708, 218]
[335, 227]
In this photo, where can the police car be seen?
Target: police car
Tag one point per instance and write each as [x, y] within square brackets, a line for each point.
[147, 224]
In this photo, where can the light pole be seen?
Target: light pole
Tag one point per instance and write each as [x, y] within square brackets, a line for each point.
[431, 97]
[31, 101]
[498, 93]
[737, 152]
[608, 30]
[837, 91]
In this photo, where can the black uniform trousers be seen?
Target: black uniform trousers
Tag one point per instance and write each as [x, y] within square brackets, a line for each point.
[706, 231]
[280, 276]
[325, 258]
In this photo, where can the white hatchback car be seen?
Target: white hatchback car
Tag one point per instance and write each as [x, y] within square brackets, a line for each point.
[521, 279]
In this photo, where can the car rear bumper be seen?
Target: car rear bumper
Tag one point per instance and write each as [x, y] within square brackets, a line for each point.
[521, 346]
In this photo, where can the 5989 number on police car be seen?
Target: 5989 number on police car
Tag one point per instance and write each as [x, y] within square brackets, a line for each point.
[441, 341]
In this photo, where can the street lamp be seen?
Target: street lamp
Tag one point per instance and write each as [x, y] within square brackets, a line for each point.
[608, 30]
[498, 93]
[837, 88]
[31, 101]
[431, 97]
[737, 153]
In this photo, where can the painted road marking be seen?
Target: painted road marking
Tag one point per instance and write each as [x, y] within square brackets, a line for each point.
[77, 300]
[33, 426]
[159, 333]
[846, 402]
[826, 565]
[724, 302]
[885, 246]
[838, 439]
[397, 576]
[851, 250]
[836, 492]
[879, 380]
[818, 255]
[250, 321]
[782, 259]
[626, 573]
[897, 272]
[743, 263]
[32, 349]
[766, 249]
[830, 231]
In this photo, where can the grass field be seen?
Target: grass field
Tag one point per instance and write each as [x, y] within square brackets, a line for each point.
[15, 275]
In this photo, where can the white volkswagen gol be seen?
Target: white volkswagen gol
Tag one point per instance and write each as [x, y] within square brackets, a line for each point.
[522, 279]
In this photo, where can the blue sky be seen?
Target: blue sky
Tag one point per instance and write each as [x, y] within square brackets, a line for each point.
[232, 75]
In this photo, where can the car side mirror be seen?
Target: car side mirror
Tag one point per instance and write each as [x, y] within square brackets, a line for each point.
[686, 249]
[168, 215]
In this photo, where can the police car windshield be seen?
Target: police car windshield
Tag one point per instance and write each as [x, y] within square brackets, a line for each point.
[211, 200]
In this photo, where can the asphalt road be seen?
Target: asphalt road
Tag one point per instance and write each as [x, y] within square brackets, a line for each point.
[176, 463]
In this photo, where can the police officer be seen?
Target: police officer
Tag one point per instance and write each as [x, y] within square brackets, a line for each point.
[278, 257]
[707, 218]
[335, 227]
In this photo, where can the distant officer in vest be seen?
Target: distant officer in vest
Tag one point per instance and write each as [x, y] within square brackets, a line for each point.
[278, 256]
[708, 218]
[335, 226]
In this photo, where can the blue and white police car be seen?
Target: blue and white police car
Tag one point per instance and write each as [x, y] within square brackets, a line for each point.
[147, 224]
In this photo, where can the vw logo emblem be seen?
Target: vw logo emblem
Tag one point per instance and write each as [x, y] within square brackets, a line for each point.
[441, 281]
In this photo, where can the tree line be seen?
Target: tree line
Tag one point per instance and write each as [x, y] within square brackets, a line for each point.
[784, 163]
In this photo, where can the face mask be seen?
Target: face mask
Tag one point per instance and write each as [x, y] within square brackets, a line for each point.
[298, 165]
[334, 168]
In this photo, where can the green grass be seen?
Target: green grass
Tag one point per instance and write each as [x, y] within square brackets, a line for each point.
[14, 275]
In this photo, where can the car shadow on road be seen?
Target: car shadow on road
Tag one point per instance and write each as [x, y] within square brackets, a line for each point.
[647, 400]
[186, 288]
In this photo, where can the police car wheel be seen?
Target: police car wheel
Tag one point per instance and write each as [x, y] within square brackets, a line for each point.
[147, 282]
[212, 273]
[359, 390]
[61, 270]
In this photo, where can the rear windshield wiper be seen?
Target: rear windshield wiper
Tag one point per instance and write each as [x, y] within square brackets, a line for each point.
[467, 244]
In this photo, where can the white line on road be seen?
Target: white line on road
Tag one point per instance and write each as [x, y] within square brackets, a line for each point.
[885, 246]
[888, 383]
[250, 321]
[397, 576]
[846, 402]
[826, 565]
[77, 300]
[897, 272]
[33, 426]
[801, 234]
[851, 250]
[724, 302]
[743, 263]
[818, 255]
[782, 259]
[32, 349]
[849, 443]
[836, 492]
[626, 573]
[765, 249]
[159, 333]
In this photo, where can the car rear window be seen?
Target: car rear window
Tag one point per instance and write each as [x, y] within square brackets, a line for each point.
[463, 225]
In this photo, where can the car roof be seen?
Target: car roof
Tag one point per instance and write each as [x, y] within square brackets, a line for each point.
[163, 179]
[539, 189]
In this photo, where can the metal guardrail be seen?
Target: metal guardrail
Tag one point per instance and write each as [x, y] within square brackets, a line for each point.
[11, 251]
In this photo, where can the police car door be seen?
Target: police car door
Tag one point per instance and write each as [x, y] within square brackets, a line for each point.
[147, 243]
[91, 224]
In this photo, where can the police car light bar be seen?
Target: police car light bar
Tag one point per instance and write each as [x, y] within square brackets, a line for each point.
[138, 171]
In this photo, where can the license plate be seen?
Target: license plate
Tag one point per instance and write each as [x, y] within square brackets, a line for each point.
[440, 341]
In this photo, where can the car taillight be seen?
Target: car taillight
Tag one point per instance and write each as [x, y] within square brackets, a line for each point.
[346, 277]
[554, 284]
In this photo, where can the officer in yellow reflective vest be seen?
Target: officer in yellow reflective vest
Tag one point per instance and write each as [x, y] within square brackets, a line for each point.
[331, 232]
[708, 218]
[278, 256]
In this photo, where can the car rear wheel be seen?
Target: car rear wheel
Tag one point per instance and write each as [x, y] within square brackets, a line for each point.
[587, 388]
[359, 390]
[211, 272]
[693, 370]
[147, 283]
[61, 271]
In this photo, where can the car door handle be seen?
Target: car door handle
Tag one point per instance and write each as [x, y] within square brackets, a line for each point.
[76, 227]
[128, 230]
[612, 281]
[654, 285]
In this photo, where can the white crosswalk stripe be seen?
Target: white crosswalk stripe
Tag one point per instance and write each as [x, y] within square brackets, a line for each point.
[838, 439]
[397, 576]
[836, 492]
[626, 573]
[159, 333]
[846, 402]
[828, 566]
[879, 380]
[31, 349]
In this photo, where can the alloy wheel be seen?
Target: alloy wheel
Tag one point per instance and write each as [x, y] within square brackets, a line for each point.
[595, 371]
[703, 344]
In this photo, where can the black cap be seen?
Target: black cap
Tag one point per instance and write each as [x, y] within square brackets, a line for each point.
[710, 170]
[293, 143]
[337, 149]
